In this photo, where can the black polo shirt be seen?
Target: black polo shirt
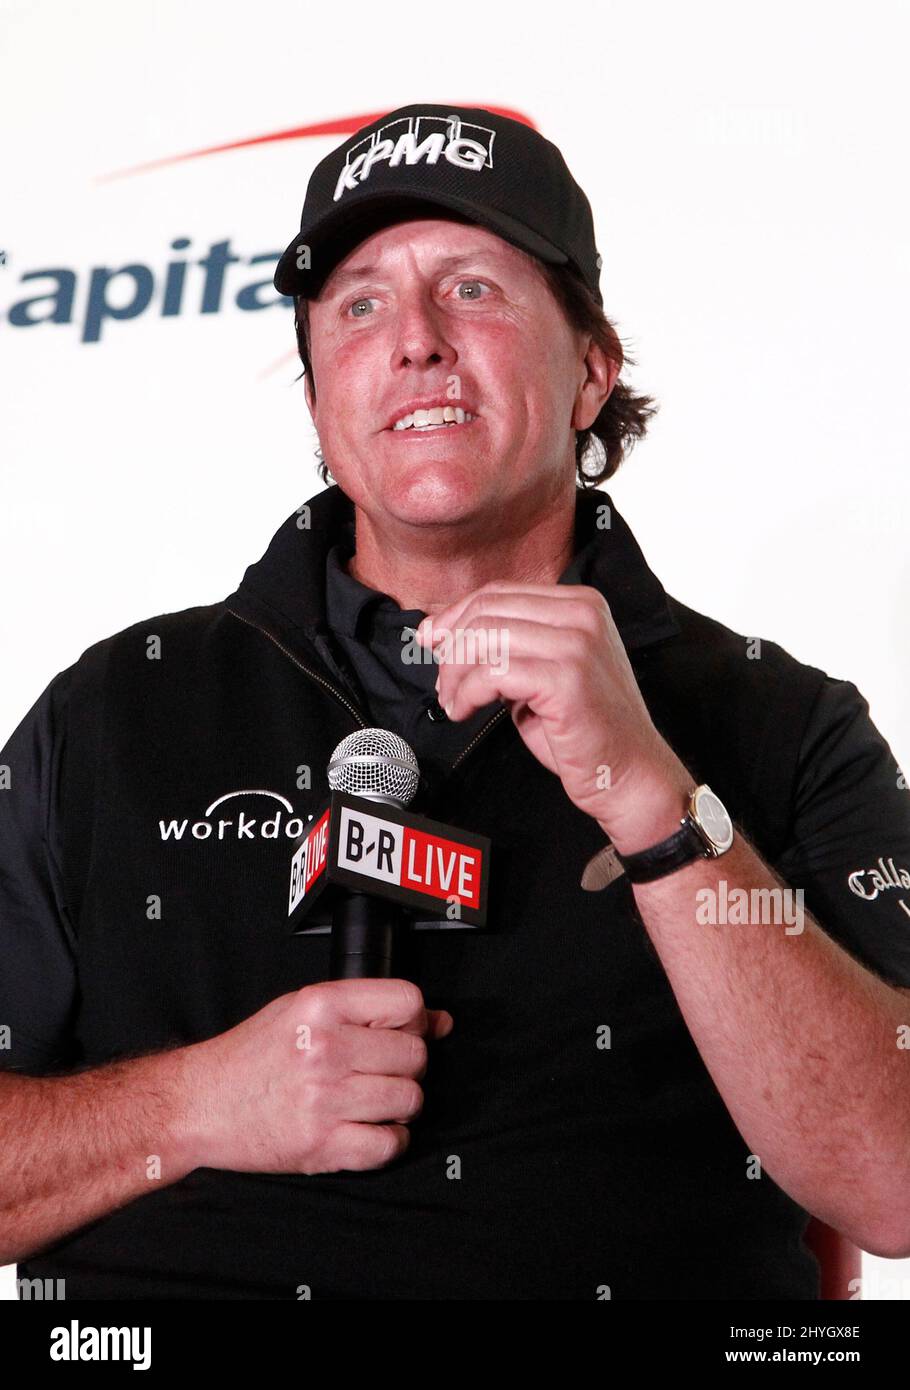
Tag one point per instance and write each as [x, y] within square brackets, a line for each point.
[580, 1167]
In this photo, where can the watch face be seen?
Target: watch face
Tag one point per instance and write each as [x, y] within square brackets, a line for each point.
[711, 814]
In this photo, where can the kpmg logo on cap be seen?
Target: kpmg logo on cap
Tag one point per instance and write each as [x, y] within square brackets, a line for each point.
[415, 139]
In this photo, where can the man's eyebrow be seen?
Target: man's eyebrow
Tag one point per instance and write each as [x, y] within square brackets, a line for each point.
[343, 278]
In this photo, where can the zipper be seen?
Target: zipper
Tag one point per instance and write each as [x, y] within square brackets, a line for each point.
[500, 713]
[314, 675]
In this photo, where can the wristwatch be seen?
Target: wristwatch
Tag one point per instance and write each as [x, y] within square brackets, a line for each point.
[705, 832]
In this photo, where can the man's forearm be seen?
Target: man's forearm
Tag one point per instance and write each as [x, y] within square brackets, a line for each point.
[76, 1147]
[800, 1039]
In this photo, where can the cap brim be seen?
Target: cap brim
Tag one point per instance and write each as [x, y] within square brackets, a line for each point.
[336, 235]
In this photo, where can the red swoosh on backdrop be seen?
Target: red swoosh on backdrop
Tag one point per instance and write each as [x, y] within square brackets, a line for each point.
[341, 125]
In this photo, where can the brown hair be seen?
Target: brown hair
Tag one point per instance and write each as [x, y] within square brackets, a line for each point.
[600, 449]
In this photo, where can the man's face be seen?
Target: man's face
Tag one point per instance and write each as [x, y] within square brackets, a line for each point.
[434, 311]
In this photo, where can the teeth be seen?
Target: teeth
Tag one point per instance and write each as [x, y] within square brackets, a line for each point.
[438, 417]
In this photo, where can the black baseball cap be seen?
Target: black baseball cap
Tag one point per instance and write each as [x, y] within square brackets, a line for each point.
[473, 164]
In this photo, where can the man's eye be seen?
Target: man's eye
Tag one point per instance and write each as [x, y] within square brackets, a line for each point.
[474, 290]
[474, 286]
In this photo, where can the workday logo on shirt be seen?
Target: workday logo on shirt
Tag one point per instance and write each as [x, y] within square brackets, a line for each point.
[236, 822]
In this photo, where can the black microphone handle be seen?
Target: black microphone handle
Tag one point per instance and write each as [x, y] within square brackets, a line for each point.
[363, 937]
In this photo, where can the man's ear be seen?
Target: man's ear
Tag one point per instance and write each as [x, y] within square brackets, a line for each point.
[601, 376]
[309, 388]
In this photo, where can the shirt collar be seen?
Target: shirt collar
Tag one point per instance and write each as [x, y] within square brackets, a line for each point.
[285, 590]
[355, 610]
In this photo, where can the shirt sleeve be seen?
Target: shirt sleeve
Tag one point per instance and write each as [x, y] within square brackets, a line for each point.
[38, 981]
[850, 846]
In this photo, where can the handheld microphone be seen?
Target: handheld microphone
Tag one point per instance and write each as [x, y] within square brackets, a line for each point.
[361, 870]
[378, 766]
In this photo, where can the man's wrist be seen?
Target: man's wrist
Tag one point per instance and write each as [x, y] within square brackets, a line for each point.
[651, 813]
[185, 1128]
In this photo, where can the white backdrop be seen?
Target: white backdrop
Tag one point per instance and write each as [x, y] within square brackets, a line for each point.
[743, 164]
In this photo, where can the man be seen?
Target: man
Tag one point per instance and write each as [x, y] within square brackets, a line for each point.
[635, 1088]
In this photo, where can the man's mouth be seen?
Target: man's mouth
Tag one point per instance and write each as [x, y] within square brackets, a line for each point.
[438, 418]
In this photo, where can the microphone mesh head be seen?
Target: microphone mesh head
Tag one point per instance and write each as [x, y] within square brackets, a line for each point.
[375, 763]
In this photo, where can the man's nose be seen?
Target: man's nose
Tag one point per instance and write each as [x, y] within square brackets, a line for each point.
[421, 335]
